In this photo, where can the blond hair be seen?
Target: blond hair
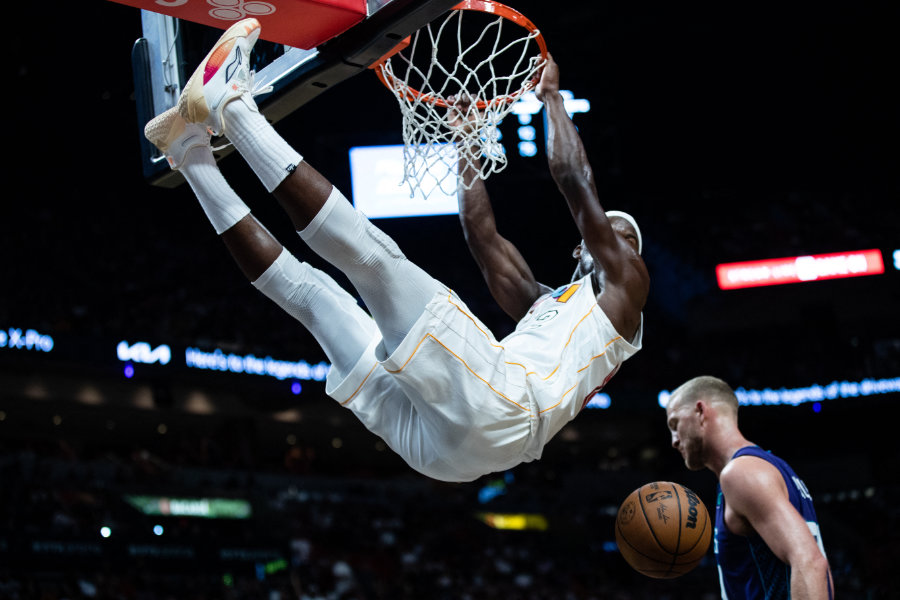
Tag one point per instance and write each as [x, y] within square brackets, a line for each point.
[709, 388]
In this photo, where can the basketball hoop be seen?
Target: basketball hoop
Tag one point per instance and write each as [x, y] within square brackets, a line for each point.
[477, 58]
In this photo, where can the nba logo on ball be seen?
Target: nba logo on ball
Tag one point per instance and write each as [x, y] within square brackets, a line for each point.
[663, 529]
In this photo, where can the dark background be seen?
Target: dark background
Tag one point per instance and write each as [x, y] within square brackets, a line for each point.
[731, 132]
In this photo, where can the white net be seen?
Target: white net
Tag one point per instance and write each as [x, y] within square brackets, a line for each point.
[490, 62]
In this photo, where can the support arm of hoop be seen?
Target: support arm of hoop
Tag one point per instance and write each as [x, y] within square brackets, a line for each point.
[398, 48]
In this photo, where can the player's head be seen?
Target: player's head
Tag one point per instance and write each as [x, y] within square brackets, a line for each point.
[624, 225]
[693, 414]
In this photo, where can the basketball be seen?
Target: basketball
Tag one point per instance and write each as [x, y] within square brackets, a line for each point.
[663, 529]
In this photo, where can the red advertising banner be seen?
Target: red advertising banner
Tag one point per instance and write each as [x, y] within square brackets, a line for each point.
[796, 269]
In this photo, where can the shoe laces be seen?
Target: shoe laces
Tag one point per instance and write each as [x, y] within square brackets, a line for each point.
[256, 89]
[217, 148]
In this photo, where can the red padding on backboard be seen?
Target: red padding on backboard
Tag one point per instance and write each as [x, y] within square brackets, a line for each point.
[299, 23]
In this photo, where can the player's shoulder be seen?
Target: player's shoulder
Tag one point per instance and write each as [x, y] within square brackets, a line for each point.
[748, 476]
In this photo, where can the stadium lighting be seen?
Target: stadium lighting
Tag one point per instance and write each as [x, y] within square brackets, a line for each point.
[813, 393]
[528, 105]
[30, 339]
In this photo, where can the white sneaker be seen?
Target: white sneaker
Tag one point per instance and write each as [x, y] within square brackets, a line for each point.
[173, 136]
[223, 76]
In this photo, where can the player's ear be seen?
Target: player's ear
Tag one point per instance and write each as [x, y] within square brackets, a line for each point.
[576, 253]
[700, 409]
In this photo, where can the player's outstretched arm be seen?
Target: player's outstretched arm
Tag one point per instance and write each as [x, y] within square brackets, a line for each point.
[574, 177]
[625, 280]
[508, 276]
[756, 493]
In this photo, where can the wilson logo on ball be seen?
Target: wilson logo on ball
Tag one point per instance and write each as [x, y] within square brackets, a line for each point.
[693, 502]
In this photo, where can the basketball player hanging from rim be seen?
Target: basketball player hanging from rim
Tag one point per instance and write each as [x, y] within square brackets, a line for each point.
[423, 372]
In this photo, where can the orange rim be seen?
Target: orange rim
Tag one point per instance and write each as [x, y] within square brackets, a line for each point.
[485, 6]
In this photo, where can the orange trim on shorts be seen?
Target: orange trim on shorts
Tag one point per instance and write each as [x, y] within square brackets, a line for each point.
[488, 337]
[465, 364]
[359, 387]
[474, 322]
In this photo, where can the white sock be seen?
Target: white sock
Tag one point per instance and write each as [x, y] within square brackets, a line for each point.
[270, 157]
[223, 207]
[340, 326]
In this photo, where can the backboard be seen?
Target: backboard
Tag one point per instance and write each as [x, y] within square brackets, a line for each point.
[171, 47]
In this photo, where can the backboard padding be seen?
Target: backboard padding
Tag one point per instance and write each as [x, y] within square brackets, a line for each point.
[298, 76]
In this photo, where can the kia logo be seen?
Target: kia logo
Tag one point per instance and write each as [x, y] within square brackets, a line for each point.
[141, 352]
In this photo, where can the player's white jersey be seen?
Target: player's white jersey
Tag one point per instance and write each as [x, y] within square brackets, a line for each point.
[456, 403]
[571, 349]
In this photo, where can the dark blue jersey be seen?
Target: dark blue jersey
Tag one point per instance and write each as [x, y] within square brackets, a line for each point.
[748, 570]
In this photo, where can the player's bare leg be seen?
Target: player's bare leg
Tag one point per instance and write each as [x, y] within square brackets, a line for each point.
[340, 326]
[302, 194]
[220, 96]
[251, 245]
